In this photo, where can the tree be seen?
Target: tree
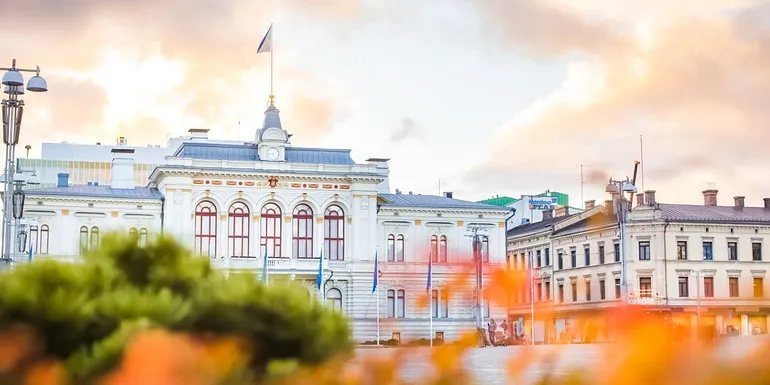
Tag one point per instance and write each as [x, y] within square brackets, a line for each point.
[84, 313]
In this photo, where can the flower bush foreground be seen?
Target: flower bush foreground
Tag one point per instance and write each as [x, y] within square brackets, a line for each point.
[154, 307]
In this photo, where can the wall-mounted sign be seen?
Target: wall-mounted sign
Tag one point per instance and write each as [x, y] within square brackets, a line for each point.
[647, 301]
[543, 203]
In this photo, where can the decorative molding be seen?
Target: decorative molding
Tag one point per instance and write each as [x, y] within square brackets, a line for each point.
[350, 220]
[287, 218]
[356, 195]
[65, 212]
[114, 214]
[255, 217]
[319, 219]
[240, 194]
[459, 223]
[186, 190]
[169, 189]
[272, 181]
[417, 222]
[500, 224]
[222, 217]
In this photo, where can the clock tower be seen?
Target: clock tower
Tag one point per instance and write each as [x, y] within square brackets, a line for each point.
[272, 139]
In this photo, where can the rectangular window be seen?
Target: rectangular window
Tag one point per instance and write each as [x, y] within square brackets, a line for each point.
[734, 289]
[681, 250]
[708, 251]
[539, 259]
[587, 254]
[444, 304]
[547, 256]
[756, 251]
[539, 291]
[601, 254]
[684, 287]
[645, 287]
[616, 251]
[560, 260]
[573, 258]
[574, 291]
[434, 303]
[602, 289]
[644, 250]
[617, 288]
[400, 304]
[708, 287]
[588, 290]
[547, 290]
[759, 290]
[561, 293]
[732, 251]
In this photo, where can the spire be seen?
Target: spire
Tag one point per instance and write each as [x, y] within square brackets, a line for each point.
[272, 119]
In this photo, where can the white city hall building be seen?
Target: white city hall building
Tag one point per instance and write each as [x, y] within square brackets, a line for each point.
[701, 267]
[233, 201]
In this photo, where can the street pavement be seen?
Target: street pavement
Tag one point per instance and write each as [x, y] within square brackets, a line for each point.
[489, 365]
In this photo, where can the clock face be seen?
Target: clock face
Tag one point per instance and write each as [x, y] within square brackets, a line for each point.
[272, 153]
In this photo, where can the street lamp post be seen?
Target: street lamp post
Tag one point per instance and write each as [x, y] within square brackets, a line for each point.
[618, 189]
[479, 267]
[696, 273]
[13, 109]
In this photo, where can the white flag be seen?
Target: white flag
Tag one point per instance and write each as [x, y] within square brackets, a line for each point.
[267, 42]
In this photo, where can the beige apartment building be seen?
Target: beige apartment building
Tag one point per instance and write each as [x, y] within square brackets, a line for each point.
[700, 267]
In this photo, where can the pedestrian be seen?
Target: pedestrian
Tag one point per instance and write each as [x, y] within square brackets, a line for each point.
[504, 326]
[492, 329]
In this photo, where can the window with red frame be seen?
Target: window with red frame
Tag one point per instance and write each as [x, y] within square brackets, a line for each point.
[206, 228]
[271, 230]
[334, 233]
[434, 249]
[302, 232]
[239, 227]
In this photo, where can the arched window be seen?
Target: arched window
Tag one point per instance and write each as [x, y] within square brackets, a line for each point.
[206, 228]
[143, 237]
[434, 248]
[32, 239]
[43, 248]
[271, 230]
[396, 303]
[83, 238]
[238, 229]
[391, 248]
[334, 233]
[442, 249]
[133, 234]
[334, 299]
[400, 248]
[302, 232]
[94, 237]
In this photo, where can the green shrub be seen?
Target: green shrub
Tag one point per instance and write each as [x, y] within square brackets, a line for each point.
[84, 313]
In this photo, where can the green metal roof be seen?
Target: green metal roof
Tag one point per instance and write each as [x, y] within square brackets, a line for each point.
[562, 198]
[499, 201]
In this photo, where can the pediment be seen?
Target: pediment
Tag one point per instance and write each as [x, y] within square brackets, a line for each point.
[274, 134]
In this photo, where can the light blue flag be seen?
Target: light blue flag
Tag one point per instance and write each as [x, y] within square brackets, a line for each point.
[30, 253]
[320, 271]
[376, 278]
[430, 273]
[264, 268]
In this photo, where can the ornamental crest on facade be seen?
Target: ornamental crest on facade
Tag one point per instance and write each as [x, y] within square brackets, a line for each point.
[272, 181]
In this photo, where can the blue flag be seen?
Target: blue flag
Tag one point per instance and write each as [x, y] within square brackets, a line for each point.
[374, 285]
[264, 268]
[30, 253]
[320, 271]
[266, 45]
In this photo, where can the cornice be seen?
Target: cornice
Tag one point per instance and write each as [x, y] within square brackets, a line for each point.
[419, 210]
[262, 174]
[87, 199]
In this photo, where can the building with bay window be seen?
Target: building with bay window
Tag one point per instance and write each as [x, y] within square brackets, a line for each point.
[701, 267]
[235, 202]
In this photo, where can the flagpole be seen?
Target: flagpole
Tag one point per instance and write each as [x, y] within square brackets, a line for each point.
[532, 296]
[430, 295]
[377, 288]
[272, 48]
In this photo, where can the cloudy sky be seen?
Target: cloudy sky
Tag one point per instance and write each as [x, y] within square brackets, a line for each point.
[490, 97]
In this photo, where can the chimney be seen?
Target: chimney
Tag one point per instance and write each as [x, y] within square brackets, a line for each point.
[448, 194]
[547, 214]
[608, 207]
[767, 203]
[640, 199]
[649, 196]
[63, 179]
[710, 197]
[410, 193]
[590, 204]
[561, 211]
[199, 133]
[739, 202]
[398, 192]
[122, 172]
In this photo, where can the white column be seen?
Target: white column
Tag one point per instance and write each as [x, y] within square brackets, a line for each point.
[745, 326]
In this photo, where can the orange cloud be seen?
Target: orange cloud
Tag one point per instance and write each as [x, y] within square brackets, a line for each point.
[694, 87]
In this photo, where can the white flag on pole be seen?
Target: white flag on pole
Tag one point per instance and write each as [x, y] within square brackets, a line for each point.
[266, 45]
